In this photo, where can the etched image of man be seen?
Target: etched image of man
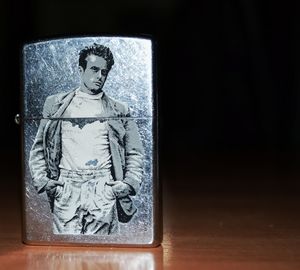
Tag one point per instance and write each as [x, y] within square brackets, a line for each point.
[87, 154]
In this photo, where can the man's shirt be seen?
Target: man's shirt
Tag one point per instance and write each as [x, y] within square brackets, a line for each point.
[85, 142]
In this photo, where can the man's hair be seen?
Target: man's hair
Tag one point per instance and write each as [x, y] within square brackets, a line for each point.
[98, 50]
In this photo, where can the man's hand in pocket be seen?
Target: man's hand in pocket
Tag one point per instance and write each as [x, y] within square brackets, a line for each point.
[51, 187]
[120, 188]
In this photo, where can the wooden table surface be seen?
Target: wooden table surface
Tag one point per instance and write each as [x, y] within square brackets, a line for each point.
[202, 230]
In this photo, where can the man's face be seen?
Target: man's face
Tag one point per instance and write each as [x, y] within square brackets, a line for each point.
[94, 76]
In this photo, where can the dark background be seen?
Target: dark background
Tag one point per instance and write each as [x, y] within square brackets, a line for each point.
[228, 83]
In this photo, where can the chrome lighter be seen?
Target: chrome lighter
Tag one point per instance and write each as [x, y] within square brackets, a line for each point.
[90, 146]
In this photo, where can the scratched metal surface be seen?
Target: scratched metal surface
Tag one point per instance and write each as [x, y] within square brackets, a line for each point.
[52, 67]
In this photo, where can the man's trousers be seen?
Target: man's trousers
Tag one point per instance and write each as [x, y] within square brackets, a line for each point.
[85, 204]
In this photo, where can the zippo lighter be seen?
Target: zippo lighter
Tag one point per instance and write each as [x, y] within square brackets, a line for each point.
[89, 143]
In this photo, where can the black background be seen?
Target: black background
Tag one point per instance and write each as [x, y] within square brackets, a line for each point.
[228, 83]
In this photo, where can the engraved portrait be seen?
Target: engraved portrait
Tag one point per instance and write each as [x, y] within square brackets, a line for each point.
[87, 155]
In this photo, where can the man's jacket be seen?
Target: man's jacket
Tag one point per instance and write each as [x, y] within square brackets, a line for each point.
[125, 146]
